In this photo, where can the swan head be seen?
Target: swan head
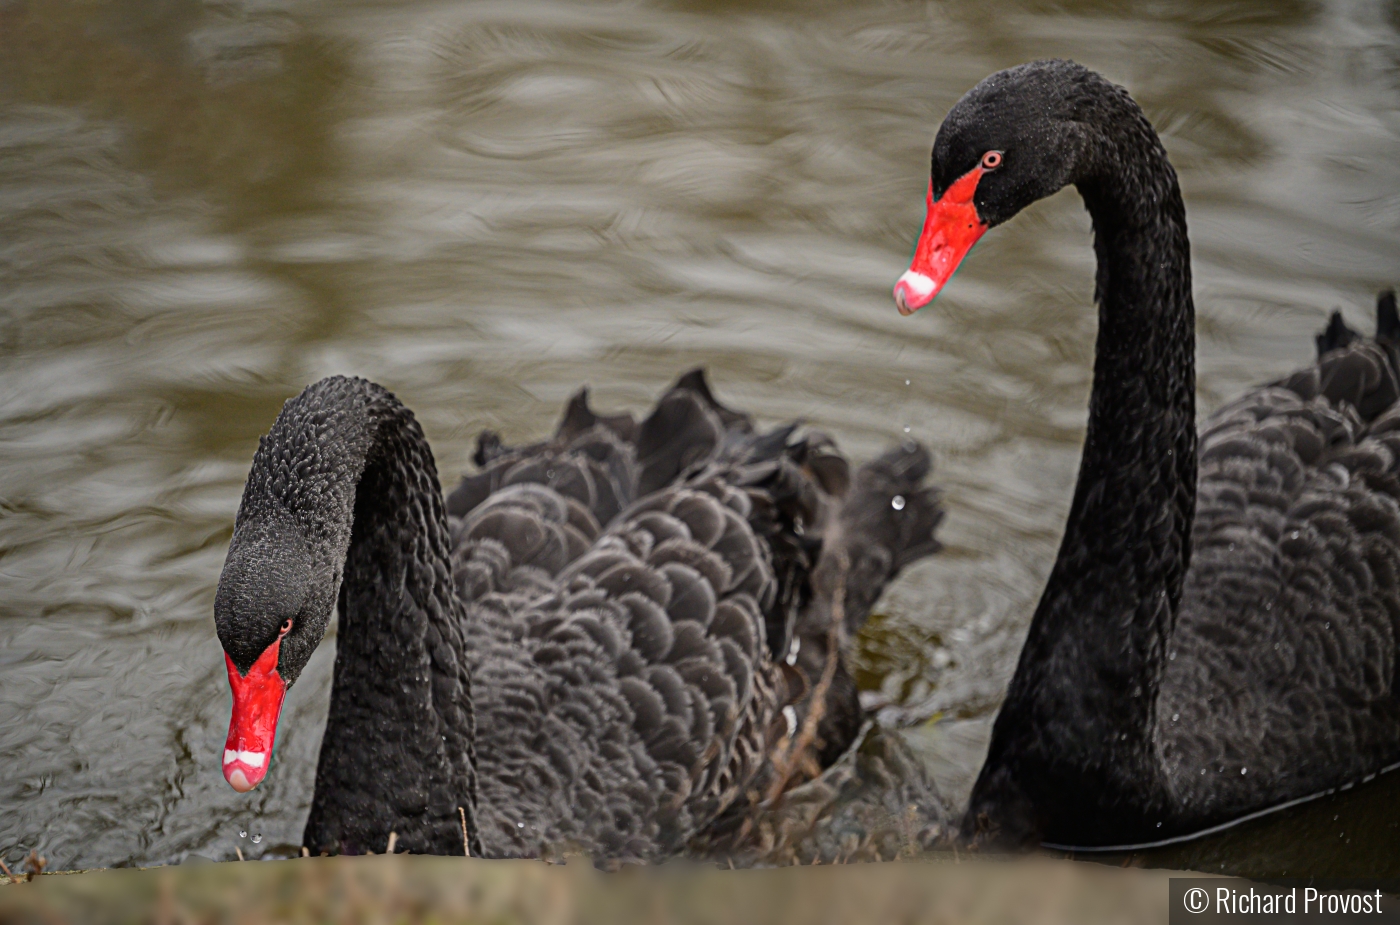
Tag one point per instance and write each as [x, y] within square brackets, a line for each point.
[270, 612]
[1018, 136]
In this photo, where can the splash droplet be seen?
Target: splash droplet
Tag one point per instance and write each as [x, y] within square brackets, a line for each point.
[897, 502]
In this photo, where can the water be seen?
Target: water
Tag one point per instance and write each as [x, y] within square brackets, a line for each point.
[203, 207]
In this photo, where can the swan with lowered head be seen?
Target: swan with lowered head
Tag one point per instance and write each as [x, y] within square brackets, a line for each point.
[594, 642]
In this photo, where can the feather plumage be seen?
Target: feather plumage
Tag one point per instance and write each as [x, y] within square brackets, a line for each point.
[1218, 635]
[615, 603]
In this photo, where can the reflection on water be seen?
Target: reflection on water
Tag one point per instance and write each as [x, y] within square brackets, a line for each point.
[206, 206]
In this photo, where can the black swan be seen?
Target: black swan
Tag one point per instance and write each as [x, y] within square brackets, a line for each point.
[1218, 636]
[599, 642]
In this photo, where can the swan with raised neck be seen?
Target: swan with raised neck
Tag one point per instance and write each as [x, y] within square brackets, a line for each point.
[1147, 614]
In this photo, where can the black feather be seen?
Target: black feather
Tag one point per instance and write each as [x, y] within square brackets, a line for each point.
[1218, 634]
[577, 656]
[1335, 336]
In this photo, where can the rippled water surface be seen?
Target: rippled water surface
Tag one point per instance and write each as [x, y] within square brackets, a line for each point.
[203, 207]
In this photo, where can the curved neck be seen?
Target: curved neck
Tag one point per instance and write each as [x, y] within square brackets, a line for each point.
[1130, 521]
[1080, 711]
[396, 755]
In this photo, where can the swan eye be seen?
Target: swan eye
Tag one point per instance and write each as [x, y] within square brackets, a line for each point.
[991, 160]
[286, 627]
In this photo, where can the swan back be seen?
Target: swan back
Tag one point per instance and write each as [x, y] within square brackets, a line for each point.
[633, 592]
[1281, 676]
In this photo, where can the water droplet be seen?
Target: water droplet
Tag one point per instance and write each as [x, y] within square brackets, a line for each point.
[257, 839]
[242, 834]
[906, 381]
[520, 825]
[1176, 716]
[1159, 825]
[1244, 770]
[906, 428]
[897, 502]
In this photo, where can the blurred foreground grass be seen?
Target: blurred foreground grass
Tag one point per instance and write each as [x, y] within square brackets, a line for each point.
[403, 889]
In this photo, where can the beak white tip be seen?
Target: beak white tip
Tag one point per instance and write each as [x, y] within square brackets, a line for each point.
[913, 292]
[239, 781]
[243, 769]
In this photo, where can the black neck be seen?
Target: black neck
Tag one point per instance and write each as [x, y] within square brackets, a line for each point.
[1079, 714]
[397, 751]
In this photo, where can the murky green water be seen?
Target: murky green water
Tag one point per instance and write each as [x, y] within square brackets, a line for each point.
[203, 207]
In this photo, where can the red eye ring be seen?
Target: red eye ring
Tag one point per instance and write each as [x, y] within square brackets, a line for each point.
[991, 160]
[286, 627]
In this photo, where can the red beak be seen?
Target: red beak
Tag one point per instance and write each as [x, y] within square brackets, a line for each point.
[252, 729]
[950, 229]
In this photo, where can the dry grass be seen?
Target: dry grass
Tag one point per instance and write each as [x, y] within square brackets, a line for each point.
[400, 889]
